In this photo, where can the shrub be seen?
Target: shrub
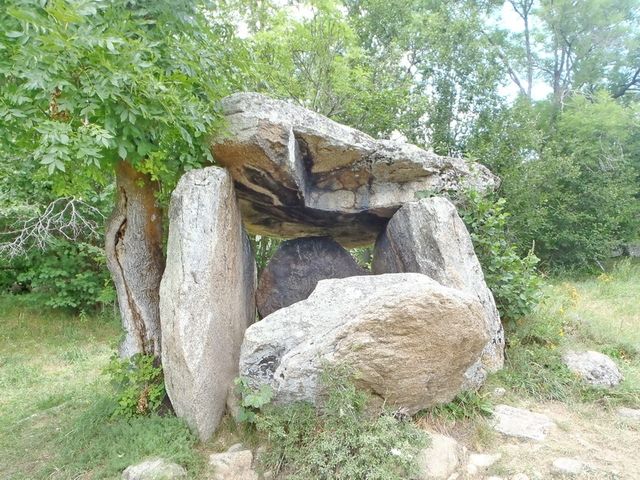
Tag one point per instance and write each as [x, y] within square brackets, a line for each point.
[139, 384]
[342, 440]
[71, 275]
[512, 279]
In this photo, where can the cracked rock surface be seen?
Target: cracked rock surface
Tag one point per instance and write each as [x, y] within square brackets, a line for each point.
[298, 173]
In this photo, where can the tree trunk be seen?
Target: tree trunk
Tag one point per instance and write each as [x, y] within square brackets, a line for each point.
[135, 259]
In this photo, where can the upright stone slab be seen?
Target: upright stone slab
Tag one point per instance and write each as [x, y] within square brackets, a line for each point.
[429, 237]
[297, 267]
[206, 296]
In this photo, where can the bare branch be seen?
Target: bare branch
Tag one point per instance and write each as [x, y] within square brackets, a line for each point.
[68, 218]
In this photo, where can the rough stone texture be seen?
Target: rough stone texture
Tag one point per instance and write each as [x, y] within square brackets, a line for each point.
[156, 469]
[297, 267]
[234, 464]
[410, 338]
[429, 237]
[206, 296]
[440, 459]
[567, 466]
[517, 422]
[632, 414]
[594, 368]
[300, 174]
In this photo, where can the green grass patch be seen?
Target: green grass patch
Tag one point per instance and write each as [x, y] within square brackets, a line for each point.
[599, 313]
[56, 407]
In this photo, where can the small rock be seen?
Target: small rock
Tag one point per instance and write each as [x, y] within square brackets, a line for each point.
[234, 464]
[567, 466]
[483, 460]
[520, 476]
[594, 368]
[440, 459]
[493, 477]
[155, 469]
[517, 422]
[499, 392]
[629, 413]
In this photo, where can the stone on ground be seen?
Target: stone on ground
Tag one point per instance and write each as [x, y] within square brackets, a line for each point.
[206, 297]
[594, 368]
[567, 466]
[410, 339]
[479, 462]
[155, 469]
[629, 413]
[234, 464]
[298, 173]
[429, 237]
[440, 459]
[297, 267]
[520, 423]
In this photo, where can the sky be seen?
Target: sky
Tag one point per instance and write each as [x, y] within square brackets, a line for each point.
[507, 19]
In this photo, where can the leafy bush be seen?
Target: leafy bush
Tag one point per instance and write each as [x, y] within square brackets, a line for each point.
[340, 441]
[512, 279]
[139, 383]
[72, 275]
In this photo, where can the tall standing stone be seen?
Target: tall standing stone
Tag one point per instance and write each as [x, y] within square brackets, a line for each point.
[429, 237]
[206, 296]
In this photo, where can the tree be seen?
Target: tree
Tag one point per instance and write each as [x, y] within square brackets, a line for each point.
[131, 87]
[574, 46]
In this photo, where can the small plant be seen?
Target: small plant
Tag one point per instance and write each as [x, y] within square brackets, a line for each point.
[139, 383]
[466, 405]
[512, 279]
[251, 401]
[344, 439]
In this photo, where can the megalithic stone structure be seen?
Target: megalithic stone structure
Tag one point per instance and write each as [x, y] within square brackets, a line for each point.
[207, 297]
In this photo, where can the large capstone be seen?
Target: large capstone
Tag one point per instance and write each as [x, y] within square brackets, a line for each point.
[206, 296]
[429, 237]
[409, 338]
[297, 267]
[298, 173]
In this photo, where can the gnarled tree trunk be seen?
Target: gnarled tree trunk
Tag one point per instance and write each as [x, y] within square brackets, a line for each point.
[135, 259]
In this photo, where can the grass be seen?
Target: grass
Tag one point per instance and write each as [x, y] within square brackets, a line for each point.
[600, 314]
[56, 406]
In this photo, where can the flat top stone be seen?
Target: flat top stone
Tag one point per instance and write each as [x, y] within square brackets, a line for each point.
[298, 173]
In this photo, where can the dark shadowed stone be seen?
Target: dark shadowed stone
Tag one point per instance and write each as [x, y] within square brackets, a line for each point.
[295, 269]
[300, 174]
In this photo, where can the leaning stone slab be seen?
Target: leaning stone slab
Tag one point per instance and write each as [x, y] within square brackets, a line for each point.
[206, 296]
[155, 469]
[300, 174]
[409, 339]
[296, 268]
[594, 368]
[517, 422]
[429, 237]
